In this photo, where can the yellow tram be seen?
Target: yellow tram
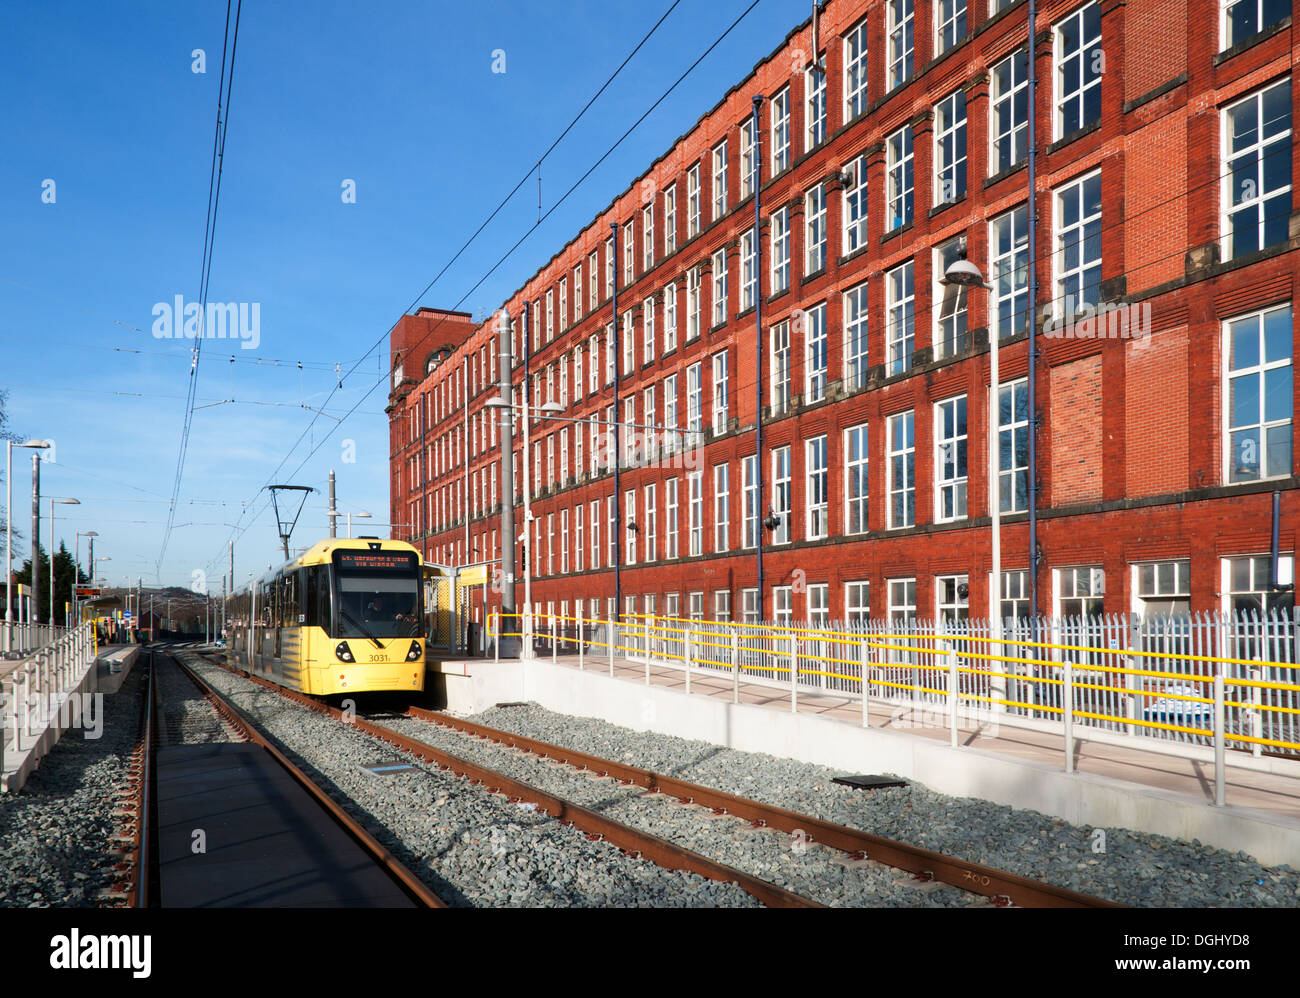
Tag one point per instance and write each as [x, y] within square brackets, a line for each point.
[345, 617]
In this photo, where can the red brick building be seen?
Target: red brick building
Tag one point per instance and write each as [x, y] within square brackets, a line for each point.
[1163, 203]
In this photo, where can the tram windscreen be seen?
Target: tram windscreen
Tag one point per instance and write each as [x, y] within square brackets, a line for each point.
[377, 594]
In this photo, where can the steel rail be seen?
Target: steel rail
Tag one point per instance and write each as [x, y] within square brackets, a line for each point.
[144, 827]
[411, 885]
[596, 826]
[998, 885]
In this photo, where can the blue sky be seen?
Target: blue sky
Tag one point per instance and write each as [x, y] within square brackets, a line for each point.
[400, 98]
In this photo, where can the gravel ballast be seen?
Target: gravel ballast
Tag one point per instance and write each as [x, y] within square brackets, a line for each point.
[55, 833]
[1132, 868]
[474, 848]
[814, 871]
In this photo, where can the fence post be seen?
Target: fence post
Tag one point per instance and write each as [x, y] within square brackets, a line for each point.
[496, 635]
[609, 633]
[555, 640]
[582, 654]
[1067, 712]
[952, 696]
[1256, 715]
[688, 659]
[794, 674]
[864, 655]
[735, 666]
[1220, 790]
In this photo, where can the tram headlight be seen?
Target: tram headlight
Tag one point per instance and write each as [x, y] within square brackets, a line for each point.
[415, 652]
[343, 652]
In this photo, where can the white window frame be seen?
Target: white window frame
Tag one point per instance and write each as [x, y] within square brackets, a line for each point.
[900, 179]
[1226, 38]
[721, 507]
[782, 493]
[816, 355]
[950, 334]
[751, 516]
[648, 237]
[855, 70]
[779, 229]
[695, 512]
[693, 201]
[814, 88]
[778, 398]
[1064, 239]
[951, 453]
[629, 517]
[694, 403]
[855, 199]
[1260, 373]
[651, 524]
[1071, 83]
[629, 253]
[671, 526]
[900, 21]
[854, 314]
[780, 124]
[720, 400]
[1009, 272]
[857, 602]
[694, 298]
[670, 317]
[1008, 431]
[719, 180]
[857, 482]
[815, 230]
[649, 349]
[950, 149]
[899, 428]
[1255, 199]
[816, 486]
[719, 303]
[748, 270]
[900, 317]
[670, 220]
[1006, 126]
[949, 25]
[746, 157]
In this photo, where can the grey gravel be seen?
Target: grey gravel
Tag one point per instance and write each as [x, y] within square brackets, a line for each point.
[1135, 868]
[474, 848]
[56, 845]
[185, 715]
[789, 861]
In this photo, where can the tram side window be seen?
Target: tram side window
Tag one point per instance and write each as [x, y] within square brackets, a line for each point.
[289, 600]
[266, 605]
[315, 597]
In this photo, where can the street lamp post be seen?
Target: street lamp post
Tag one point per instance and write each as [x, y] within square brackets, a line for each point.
[359, 516]
[506, 428]
[527, 412]
[962, 274]
[9, 535]
[66, 502]
[76, 567]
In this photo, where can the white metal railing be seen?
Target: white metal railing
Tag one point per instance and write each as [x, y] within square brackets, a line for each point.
[1202, 686]
[34, 695]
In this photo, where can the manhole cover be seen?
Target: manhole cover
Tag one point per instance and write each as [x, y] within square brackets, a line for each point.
[865, 782]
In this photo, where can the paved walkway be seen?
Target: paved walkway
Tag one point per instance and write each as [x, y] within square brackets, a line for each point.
[1268, 792]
